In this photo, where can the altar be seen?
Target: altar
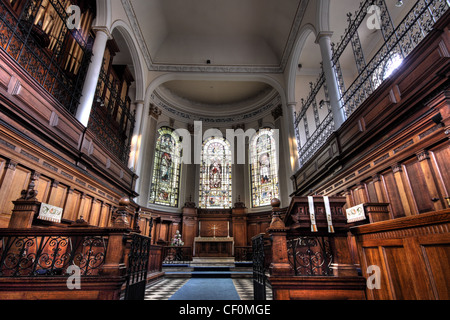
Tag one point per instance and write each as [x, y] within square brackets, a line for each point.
[206, 247]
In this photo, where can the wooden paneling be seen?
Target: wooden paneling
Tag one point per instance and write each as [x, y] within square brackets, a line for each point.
[399, 272]
[393, 194]
[72, 205]
[412, 253]
[441, 156]
[58, 195]
[401, 155]
[372, 193]
[438, 268]
[420, 191]
[43, 185]
[15, 179]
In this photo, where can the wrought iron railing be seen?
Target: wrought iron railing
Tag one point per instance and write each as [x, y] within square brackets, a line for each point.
[57, 57]
[111, 119]
[42, 253]
[138, 263]
[398, 43]
[310, 256]
[259, 268]
[315, 104]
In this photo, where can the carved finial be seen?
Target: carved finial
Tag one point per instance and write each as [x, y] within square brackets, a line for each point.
[275, 203]
[277, 223]
[120, 217]
[30, 194]
[124, 202]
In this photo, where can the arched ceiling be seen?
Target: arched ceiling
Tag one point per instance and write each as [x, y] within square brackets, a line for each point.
[231, 33]
[215, 37]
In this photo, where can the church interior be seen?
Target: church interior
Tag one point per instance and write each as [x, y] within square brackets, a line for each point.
[291, 149]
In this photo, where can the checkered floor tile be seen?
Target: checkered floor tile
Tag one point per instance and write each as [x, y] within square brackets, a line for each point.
[163, 289]
[244, 287]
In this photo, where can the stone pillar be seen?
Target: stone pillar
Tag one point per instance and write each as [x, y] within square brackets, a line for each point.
[90, 85]
[137, 136]
[324, 41]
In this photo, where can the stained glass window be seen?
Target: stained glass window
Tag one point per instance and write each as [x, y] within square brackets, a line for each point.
[166, 169]
[264, 168]
[215, 175]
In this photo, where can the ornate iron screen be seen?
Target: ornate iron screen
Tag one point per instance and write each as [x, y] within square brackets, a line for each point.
[137, 267]
[112, 119]
[35, 34]
[46, 255]
[259, 268]
[310, 256]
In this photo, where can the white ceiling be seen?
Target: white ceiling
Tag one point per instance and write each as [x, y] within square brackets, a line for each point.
[245, 34]
[217, 93]
[231, 32]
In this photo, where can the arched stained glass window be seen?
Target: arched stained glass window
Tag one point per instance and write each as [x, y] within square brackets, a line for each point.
[166, 169]
[215, 175]
[264, 168]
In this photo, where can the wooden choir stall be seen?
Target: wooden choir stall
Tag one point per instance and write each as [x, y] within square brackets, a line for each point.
[311, 252]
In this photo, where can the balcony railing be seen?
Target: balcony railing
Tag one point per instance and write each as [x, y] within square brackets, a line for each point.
[397, 44]
[52, 54]
[111, 119]
[317, 104]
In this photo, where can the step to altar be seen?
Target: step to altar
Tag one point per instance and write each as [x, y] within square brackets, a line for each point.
[209, 268]
[210, 262]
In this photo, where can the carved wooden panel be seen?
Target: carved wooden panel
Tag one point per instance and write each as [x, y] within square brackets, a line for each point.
[412, 254]
[72, 205]
[441, 157]
[393, 194]
[399, 272]
[43, 185]
[95, 213]
[58, 195]
[15, 179]
[372, 193]
[438, 268]
[105, 216]
[419, 188]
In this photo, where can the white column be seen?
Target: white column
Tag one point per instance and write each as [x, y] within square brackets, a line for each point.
[137, 135]
[324, 40]
[90, 84]
[293, 143]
